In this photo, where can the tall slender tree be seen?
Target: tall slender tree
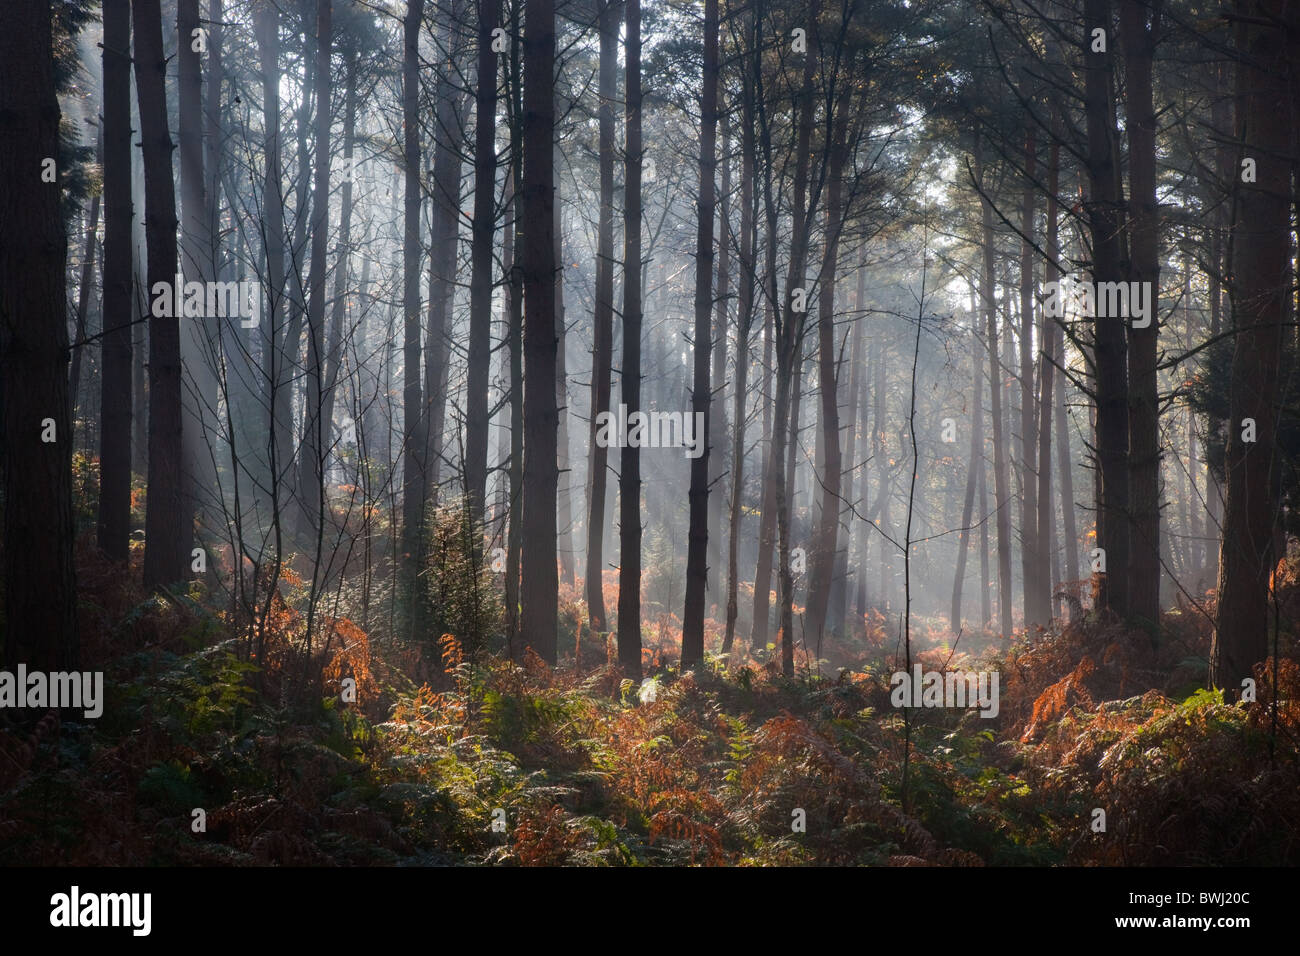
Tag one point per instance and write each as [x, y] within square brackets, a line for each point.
[1110, 359]
[311, 482]
[1053, 354]
[279, 447]
[168, 530]
[114, 519]
[972, 474]
[830, 481]
[1260, 287]
[198, 335]
[747, 281]
[629, 483]
[1001, 489]
[538, 574]
[40, 592]
[1139, 29]
[1033, 573]
[602, 353]
[413, 489]
[701, 394]
[480, 284]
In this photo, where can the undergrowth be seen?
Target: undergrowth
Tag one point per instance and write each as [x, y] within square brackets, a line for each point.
[510, 762]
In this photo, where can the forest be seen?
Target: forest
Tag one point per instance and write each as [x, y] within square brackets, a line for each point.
[649, 433]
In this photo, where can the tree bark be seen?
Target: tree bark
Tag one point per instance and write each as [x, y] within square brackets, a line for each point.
[840, 586]
[199, 336]
[1139, 38]
[539, 580]
[629, 486]
[1001, 491]
[483, 229]
[515, 342]
[1051, 337]
[720, 453]
[113, 523]
[413, 486]
[1260, 289]
[1103, 208]
[40, 590]
[972, 476]
[311, 480]
[445, 228]
[168, 532]
[1033, 572]
[342, 259]
[564, 488]
[85, 286]
[701, 397]
[789, 351]
[602, 355]
[825, 542]
[744, 322]
[278, 446]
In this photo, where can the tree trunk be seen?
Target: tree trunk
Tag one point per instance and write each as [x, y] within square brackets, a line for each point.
[986, 592]
[294, 367]
[1065, 465]
[483, 229]
[720, 453]
[884, 475]
[538, 581]
[629, 486]
[701, 393]
[760, 624]
[515, 341]
[113, 524]
[826, 535]
[789, 352]
[85, 287]
[40, 590]
[744, 322]
[972, 476]
[200, 335]
[413, 488]
[602, 355]
[1110, 357]
[442, 261]
[1036, 604]
[215, 128]
[772, 459]
[1260, 290]
[840, 586]
[1221, 113]
[311, 480]
[342, 259]
[859, 401]
[1001, 491]
[168, 532]
[1139, 39]
[564, 489]
[785, 508]
[1051, 337]
[278, 447]
[140, 336]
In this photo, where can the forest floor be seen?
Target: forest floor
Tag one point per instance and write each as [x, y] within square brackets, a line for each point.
[522, 764]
